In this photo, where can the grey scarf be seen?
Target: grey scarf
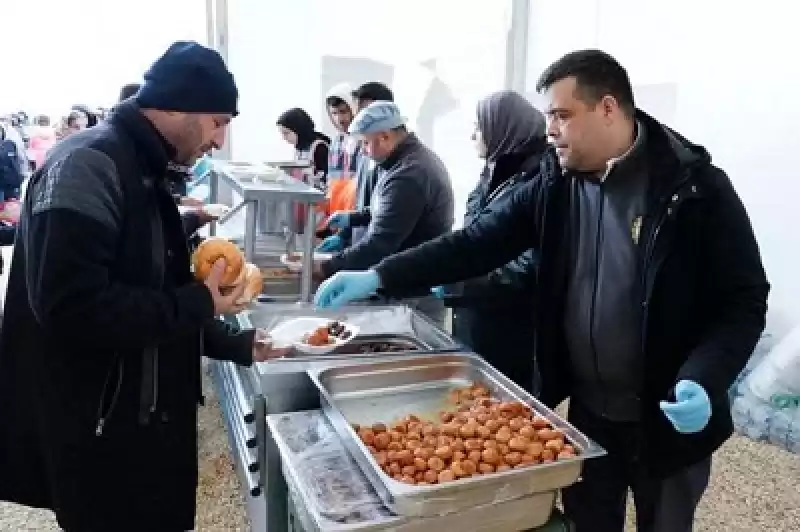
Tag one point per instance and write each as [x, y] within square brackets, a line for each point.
[507, 121]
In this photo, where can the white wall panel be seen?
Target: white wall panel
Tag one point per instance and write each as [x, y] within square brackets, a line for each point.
[439, 57]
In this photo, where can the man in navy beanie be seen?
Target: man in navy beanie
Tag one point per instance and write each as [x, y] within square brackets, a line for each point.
[105, 325]
[190, 97]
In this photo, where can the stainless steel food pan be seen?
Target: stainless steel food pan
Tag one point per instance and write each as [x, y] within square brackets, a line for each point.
[368, 393]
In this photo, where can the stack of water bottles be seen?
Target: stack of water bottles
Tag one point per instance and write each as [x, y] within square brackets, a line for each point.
[766, 396]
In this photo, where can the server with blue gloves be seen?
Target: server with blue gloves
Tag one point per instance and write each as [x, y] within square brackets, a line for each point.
[338, 221]
[650, 292]
[412, 201]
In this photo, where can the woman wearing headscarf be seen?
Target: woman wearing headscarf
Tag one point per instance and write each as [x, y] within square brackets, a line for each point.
[492, 314]
[297, 128]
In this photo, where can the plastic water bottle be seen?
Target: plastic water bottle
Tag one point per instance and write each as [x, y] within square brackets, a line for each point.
[781, 428]
[794, 433]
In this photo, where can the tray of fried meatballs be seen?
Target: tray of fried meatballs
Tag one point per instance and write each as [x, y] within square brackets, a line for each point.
[448, 431]
[480, 435]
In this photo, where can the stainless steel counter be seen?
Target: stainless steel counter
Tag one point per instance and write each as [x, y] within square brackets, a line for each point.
[248, 395]
[328, 492]
[268, 201]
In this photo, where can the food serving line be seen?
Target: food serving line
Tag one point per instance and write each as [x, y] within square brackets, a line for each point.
[289, 420]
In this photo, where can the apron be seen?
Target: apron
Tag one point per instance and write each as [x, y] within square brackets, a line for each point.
[300, 211]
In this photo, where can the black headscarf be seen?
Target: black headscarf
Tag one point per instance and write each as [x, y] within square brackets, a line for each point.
[298, 121]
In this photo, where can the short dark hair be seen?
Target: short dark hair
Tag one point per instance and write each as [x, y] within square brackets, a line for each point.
[596, 74]
[375, 91]
[129, 90]
[334, 101]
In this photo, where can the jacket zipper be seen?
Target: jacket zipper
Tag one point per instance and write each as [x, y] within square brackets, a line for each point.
[648, 255]
[592, 310]
[104, 417]
[154, 403]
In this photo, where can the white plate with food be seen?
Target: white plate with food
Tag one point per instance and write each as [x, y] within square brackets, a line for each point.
[294, 261]
[311, 335]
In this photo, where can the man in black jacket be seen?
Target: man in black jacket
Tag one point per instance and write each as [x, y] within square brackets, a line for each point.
[650, 293]
[105, 327]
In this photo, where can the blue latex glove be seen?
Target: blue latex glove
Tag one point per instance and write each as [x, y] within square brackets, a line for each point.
[339, 220]
[330, 244]
[691, 410]
[344, 287]
[438, 292]
[201, 167]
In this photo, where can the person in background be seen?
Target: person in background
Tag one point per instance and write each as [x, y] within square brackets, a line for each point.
[344, 148]
[492, 313]
[13, 162]
[412, 201]
[72, 123]
[105, 326]
[366, 175]
[42, 138]
[91, 116]
[297, 128]
[650, 293]
[342, 154]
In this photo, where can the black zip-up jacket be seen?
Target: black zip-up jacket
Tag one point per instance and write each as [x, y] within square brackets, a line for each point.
[702, 288]
[412, 202]
[103, 335]
[513, 282]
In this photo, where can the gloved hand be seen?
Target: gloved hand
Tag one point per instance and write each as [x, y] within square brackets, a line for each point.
[344, 287]
[438, 292]
[330, 244]
[691, 410]
[339, 220]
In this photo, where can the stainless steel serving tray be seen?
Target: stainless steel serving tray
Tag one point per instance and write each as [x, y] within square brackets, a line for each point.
[368, 393]
[371, 345]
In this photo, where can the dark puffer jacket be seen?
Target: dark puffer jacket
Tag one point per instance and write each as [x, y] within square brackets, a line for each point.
[104, 331]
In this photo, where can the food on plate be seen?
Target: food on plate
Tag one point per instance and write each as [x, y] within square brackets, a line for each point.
[254, 284]
[480, 436]
[213, 249]
[338, 330]
[327, 334]
[319, 337]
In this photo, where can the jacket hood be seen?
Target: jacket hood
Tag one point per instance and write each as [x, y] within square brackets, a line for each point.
[674, 145]
[343, 91]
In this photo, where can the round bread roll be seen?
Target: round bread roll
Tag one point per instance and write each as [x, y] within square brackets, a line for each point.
[213, 249]
[254, 282]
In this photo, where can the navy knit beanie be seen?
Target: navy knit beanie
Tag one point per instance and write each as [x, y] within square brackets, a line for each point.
[189, 78]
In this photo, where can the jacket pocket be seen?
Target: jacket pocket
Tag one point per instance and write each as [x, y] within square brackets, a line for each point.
[109, 395]
[148, 395]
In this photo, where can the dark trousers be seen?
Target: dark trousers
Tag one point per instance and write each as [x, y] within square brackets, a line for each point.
[597, 503]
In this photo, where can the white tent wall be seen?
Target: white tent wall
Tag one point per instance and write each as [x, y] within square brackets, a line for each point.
[723, 74]
[439, 58]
